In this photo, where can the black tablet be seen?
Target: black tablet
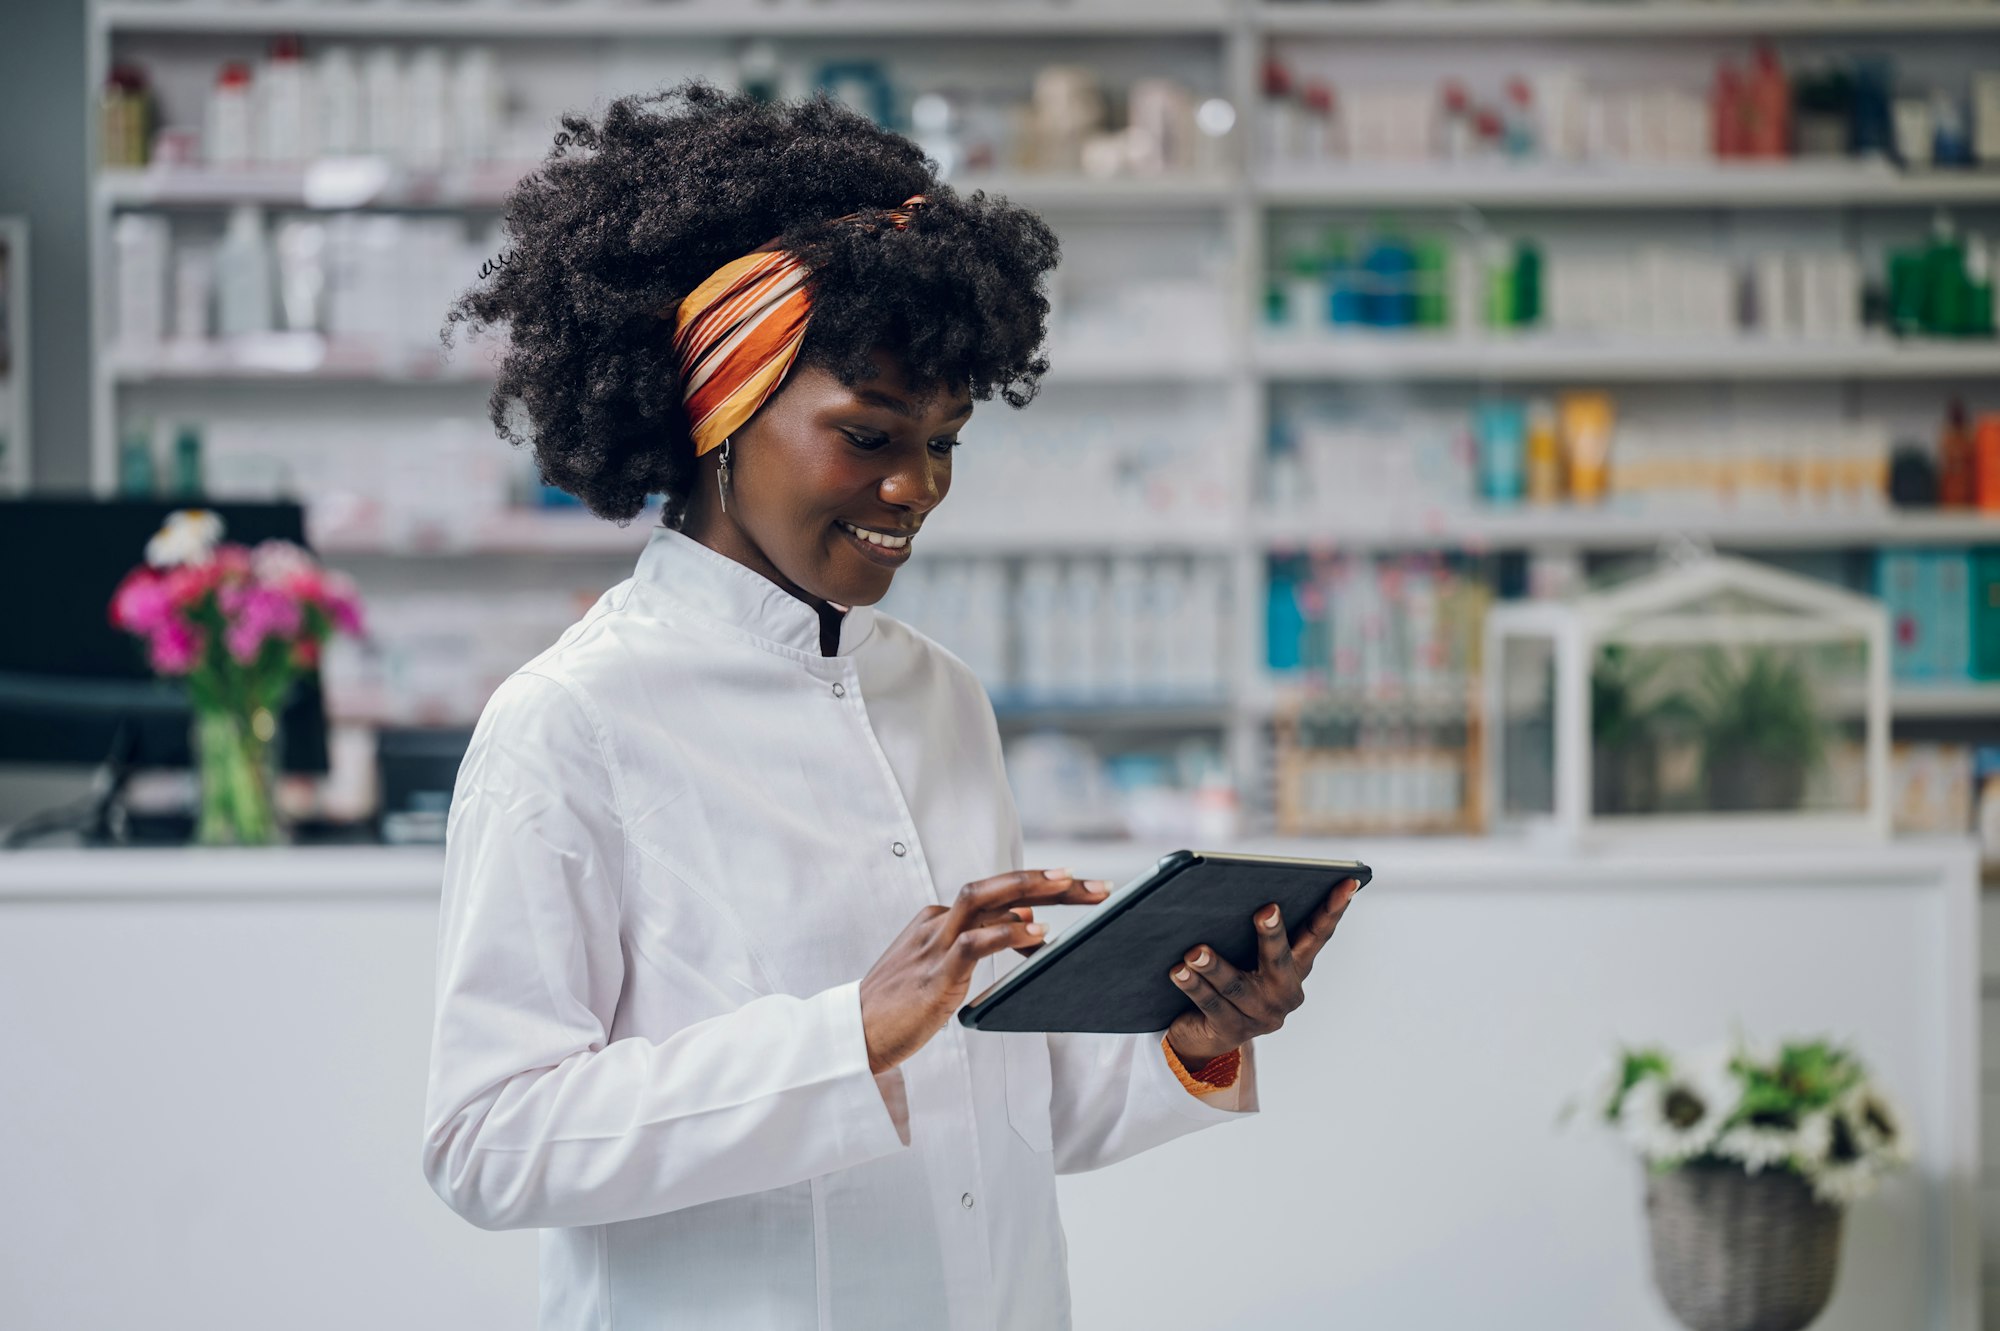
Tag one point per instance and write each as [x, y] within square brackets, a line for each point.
[1109, 971]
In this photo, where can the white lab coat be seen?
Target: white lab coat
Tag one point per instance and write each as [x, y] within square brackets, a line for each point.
[679, 839]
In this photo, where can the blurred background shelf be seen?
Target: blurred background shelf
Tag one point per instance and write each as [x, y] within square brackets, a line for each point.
[370, 183]
[640, 18]
[1560, 359]
[1630, 187]
[1590, 18]
[1611, 530]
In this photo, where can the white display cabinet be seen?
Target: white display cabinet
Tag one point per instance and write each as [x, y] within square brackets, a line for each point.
[1710, 699]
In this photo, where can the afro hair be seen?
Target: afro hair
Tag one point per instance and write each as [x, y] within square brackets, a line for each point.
[631, 210]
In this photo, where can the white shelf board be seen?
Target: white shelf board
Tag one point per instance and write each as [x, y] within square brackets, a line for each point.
[305, 358]
[340, 184]
[671, 18]
[1949, 701]
[1577, 358]
[1528, 18]
[1608, 529]
[291, 358]
[1721, 185]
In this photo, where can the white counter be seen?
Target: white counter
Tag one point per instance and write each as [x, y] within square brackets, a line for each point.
[216, 1060]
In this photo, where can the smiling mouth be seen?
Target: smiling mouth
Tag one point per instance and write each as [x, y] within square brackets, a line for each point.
[881, 544]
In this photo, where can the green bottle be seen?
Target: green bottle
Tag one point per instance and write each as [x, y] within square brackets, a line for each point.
[1527, 284]
[1432, 309]
[1945, 288]
[137, 476]
[187, 463]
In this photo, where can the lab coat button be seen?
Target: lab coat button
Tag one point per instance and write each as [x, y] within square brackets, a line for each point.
[900, 849]
[966, 1201]
[840, 690]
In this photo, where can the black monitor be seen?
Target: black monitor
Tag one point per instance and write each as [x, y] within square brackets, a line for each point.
[75, 689]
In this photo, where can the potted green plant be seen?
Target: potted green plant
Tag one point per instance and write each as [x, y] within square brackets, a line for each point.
[1751, 1157]
[1760, 730]
[1631, 715]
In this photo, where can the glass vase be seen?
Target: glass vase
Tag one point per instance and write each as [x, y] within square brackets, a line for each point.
[236, 771]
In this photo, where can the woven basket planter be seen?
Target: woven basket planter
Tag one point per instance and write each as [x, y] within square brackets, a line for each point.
[1741, 1252]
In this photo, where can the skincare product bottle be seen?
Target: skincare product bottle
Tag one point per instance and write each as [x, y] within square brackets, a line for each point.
[1586, 427]
[186, 482]
[139, 243]
[228, 140]
[1544, 449]
[282, 100]
[1957, 462]
[338, 101]
[243, 275]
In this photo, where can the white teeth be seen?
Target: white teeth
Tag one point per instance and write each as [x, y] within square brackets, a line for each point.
[877, 538]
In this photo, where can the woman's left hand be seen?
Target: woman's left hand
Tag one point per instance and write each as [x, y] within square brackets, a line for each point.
[1231, 1006]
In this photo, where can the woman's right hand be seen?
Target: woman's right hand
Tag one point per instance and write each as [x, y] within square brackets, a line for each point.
[922, 980]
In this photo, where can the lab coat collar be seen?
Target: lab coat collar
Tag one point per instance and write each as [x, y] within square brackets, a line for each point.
[716, 587]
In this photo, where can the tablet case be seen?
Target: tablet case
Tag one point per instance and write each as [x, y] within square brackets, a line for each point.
[1109, 972]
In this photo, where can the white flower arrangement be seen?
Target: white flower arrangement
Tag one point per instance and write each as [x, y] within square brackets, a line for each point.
[1806, 1107]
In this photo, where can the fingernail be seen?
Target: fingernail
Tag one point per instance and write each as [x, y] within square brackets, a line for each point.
[1097, 885]
[1183, 975]
[1036, 928]
[1055, 873]
[1271, 918]
[1201, 957]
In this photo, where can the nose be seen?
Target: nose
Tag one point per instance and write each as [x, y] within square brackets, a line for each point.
[917, 486]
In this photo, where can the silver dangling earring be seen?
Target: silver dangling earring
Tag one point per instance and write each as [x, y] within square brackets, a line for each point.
[722, 477]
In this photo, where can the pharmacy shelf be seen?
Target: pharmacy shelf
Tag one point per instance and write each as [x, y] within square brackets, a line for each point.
[672, 18]
[1597, 18]
[1805, 184]
[1949, 701]
[1107, 714]
[575, 532]
[310, 358]
[290, 358]
[1611, 530]
[1557, 358]
[369, 183]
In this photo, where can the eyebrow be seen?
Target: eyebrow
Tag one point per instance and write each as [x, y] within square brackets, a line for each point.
[899, 405]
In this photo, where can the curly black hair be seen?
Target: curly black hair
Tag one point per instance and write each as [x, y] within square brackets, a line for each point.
[633, 209]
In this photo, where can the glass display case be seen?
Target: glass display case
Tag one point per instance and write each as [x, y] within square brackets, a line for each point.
[1709, 697]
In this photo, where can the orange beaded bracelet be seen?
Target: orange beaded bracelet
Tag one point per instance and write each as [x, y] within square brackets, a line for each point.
[1218, 1074]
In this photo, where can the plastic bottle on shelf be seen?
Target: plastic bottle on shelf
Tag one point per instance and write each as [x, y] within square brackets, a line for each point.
[1978, 287]
[243, 275]
[475, 105]
[1770, 104]
[1946, 294]
[384, 119]
[1957, 460]
[186, 482]
[138, 476]
[426, 105]
[283, 124]
[228, 140]
[1986, 462]
[139, 243]
[1456, 141]
[1527, 285]
[1521, 133]
[1544, 454]
[337, 99]
[1586, 428]
[1502, 451]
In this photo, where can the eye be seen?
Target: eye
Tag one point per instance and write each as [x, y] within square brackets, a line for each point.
[864, 441]
[944, 446]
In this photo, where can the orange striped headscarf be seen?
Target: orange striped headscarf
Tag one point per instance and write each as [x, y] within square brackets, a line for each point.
[738, 333]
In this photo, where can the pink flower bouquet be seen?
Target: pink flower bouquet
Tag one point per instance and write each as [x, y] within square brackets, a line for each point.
[241, 624]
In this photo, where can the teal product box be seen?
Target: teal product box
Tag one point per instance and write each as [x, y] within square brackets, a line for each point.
[1951, 625]
[1986, 612]
[1501, 429]
[1898, 582]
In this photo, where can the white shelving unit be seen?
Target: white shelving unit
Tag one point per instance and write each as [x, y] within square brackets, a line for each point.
[1251, 365]
[15, 460]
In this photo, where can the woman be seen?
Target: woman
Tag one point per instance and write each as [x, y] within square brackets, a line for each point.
[723, 862]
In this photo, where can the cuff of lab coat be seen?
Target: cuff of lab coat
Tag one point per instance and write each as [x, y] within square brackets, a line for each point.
[874, 1118]
[1234, 1102]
